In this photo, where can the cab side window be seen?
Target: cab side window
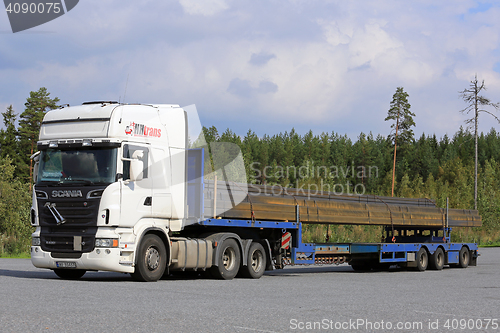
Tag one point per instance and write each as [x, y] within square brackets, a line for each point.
[128, 152]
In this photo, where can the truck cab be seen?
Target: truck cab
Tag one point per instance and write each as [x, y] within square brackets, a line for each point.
[107, 174]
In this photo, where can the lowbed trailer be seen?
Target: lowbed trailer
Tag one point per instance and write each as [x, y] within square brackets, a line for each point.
[424, 248]
[425, 244]
[118, 189]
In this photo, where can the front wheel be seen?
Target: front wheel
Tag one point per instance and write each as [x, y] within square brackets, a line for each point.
[256, 262]
[70, 274]
[151, 259]
[228, 260]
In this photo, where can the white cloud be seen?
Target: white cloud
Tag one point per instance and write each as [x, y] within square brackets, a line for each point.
[267, 65]
[337, 32]
[203, 7]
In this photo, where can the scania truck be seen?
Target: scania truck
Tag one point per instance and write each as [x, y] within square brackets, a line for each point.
[127, 188]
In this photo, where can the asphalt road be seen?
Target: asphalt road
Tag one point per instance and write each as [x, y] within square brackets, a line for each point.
[305, 299]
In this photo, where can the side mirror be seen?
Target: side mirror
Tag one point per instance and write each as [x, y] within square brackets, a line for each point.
[136, 170]
[36, 158]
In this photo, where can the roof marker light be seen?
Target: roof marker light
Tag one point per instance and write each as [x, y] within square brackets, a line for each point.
[87, 143]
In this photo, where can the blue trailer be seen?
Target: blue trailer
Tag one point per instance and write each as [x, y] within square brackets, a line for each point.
[421, 250]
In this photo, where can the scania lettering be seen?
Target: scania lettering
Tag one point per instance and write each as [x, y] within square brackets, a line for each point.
[136, 189]
[68, 194]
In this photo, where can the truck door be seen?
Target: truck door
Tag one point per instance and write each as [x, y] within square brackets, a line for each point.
[136, 198]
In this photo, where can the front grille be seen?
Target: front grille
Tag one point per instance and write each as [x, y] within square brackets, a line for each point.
[79, 212]
[80, 216]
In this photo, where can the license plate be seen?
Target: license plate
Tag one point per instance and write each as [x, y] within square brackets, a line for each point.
[65, 264]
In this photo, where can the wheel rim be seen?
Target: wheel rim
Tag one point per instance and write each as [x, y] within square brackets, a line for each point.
[440, 259]
[423, 260]
[465, 257]
[152, 258]
[228, 258]
[256, 261]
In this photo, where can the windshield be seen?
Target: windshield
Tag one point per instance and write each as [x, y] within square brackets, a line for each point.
[88, 166]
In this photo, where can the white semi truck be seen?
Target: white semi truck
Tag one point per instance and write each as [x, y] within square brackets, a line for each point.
[118, 189]
[111, 191]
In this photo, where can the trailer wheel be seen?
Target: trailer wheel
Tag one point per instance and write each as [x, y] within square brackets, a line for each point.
[422, 259]
[256, 262]
[463, 257]
[151, 259]
[229, 260]
[70, 274]
[437, 260]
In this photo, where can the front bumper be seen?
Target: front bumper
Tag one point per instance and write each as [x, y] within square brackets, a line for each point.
[109, 259]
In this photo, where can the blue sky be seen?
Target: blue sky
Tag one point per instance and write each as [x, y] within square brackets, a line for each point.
[267, 65]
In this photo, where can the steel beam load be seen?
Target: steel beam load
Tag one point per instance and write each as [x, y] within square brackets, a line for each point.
[275, 203]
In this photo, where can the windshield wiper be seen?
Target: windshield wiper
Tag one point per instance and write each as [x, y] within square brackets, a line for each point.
[70, 181]
[50, 182]
[85, 181]
[102, 182]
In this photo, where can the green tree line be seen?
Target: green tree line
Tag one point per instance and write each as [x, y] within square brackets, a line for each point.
[17, 144]
[427, 167]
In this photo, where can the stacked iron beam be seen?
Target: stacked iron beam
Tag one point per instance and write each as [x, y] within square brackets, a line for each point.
[275, 203]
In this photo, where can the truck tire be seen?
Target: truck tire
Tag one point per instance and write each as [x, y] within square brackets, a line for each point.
[151, 259]
[463, 257]
[436, 261]
[70, 274]
[256, 262]
[228, 260]
[422, 259]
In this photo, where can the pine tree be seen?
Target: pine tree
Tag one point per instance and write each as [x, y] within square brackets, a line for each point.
[298, 153]
[362, 154]
[288, 157]
[400, 112]
[8, 137]
[264, 158]
[211, 134]
[250, 147]
[30, 121]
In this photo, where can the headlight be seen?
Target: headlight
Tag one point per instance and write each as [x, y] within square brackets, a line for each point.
[94, 194]
[35, 241]
[106, 242]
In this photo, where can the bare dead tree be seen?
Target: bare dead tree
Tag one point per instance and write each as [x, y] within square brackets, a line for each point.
[474, 103]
